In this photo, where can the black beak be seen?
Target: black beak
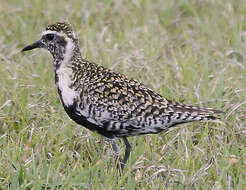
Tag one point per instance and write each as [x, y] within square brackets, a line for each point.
[37, 44]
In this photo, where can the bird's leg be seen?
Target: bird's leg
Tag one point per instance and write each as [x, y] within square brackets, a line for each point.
[115, 148]
[122, 163]
[127, 152]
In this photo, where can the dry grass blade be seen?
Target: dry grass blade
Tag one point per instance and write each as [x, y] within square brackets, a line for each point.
[234, 109]
[5, 104]
[201, 172]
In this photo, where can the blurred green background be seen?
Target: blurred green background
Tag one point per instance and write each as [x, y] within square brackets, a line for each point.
[191, 51]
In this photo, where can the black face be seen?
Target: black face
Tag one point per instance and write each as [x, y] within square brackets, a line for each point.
[54, 43]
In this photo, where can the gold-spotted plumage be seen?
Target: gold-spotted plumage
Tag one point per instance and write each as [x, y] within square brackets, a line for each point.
[106, 102]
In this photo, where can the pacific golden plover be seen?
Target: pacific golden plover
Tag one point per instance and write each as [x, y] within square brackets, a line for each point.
[106, 102]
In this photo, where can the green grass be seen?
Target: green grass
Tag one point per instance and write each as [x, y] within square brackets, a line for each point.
[189, 51]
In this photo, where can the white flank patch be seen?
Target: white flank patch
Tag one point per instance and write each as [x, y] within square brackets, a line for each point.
[64, 73]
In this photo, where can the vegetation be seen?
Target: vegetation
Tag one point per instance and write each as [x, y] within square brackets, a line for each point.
[192, 51]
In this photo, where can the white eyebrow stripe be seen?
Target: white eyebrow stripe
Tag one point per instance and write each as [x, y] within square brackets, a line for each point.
[54, 32]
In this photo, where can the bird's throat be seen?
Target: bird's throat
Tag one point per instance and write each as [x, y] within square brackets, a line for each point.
[63, 76]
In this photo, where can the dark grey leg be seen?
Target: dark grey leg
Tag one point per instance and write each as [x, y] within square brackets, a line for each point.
[115, 148]
[127, 152]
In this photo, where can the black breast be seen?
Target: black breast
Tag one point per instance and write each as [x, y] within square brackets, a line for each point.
[82, 120]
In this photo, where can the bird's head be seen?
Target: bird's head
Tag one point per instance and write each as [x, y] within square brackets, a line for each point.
[59, 39]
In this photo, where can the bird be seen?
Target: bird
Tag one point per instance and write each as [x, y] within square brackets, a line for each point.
[107, 102]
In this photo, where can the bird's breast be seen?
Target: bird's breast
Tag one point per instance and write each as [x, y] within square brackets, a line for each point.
[64, 84]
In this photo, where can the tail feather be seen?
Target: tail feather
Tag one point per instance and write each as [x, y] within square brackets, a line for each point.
[187, 113]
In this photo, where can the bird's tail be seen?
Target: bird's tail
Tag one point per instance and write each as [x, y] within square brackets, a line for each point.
[183, 113]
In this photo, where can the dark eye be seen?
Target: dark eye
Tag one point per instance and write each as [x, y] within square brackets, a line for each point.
[49, 36]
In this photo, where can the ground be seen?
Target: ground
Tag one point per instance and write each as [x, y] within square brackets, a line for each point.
[191, 51]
